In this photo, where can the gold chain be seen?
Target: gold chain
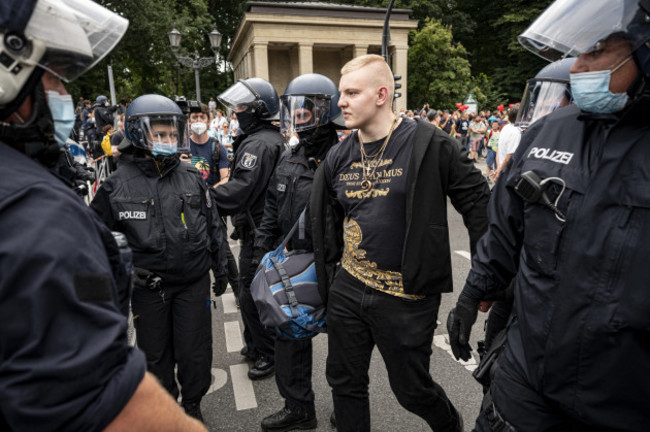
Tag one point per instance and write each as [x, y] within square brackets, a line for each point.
[366, 160]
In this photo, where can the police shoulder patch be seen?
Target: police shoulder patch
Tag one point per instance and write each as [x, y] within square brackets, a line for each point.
[248, 161]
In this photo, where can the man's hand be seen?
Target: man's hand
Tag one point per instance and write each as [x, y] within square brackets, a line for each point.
[459, 325]
[258, 254]
[186, 157]
[219, 285]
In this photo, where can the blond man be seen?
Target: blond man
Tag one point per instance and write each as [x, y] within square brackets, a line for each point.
[389, 180]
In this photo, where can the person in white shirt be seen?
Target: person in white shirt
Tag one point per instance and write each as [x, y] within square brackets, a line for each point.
[508, 141]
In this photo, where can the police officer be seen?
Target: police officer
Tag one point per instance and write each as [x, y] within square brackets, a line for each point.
[64, 359]
[548, 91]
[570, 221]
[257, 150]
[103, 114]
[166, 212]
[308, 107]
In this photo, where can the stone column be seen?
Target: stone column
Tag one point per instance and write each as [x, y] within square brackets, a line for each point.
[400, 67]
[261, 60]
[359, 50]
[306, 56]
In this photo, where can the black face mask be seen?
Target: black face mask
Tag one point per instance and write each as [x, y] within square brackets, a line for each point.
[318, 140]
[247, 121]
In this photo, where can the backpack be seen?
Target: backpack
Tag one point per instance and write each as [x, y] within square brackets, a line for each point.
[285, 291]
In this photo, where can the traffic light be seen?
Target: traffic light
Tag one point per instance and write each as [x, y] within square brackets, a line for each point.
[397, 85]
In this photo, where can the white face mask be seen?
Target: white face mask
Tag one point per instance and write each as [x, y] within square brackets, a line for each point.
[199, 128]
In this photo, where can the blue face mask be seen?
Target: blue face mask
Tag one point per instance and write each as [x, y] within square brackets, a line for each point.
[62, 111]
[164, 148]
[591, 91]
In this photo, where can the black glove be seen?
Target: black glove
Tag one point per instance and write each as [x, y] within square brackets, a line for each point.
[258, 254]
[219, 285]
[459, 325]
[145, 279]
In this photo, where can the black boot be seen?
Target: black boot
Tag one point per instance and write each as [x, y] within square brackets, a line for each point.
[251, 355]
[193, 409]
[261, 369]
[288, 420]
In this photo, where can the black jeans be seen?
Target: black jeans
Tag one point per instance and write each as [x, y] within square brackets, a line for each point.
[293, 366]
[174, 327]
[358, 317]
[258, 338]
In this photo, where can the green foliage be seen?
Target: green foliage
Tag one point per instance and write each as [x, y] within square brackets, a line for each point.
[439, 73]
[143, 61]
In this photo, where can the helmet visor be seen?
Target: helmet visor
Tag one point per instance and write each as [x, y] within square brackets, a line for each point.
[542, 98]
[569, 28]
[76, 35]
[299, 113]
[238, 97]
[163, 133]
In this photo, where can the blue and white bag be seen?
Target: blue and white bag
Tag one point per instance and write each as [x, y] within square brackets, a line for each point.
[285, 291]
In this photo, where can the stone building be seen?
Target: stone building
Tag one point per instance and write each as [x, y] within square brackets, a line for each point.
[279, 41]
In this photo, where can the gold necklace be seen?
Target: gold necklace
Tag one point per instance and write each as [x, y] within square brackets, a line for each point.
[368, 171]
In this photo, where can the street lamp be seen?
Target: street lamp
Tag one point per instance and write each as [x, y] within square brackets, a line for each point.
[196, 62]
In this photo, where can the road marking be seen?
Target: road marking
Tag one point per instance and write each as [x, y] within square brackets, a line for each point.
[242, 387]
[464, 254]
[219, 379]
[229, 305]
[233, 336]
[442, 342]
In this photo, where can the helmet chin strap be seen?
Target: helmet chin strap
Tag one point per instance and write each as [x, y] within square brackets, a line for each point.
[37, 132]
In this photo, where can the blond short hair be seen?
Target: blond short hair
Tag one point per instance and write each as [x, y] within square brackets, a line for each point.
[382, 76]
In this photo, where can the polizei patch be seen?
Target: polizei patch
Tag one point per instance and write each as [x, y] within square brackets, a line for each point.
[552, 155]
[248, 161]
[139, 215]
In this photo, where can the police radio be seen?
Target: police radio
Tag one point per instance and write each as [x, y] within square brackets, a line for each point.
[533, 189]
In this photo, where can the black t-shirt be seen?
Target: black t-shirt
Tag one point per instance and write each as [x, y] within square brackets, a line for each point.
[462, 126]
[375, 220]
[202, 159]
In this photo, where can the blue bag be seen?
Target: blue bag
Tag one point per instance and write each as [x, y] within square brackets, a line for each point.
[285, 291]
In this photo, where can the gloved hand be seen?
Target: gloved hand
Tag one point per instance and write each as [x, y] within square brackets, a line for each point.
[143, 278]
[459, 325]
[219, 285]
[258, 254]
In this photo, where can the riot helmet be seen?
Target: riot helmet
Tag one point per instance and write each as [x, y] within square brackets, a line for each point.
[568, 28]
[156, 124]
[63, 37]
[549, 90]
[101, 100]
[309, 102]
[253, 100]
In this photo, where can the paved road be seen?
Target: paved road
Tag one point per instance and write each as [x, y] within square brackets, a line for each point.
[235, 403]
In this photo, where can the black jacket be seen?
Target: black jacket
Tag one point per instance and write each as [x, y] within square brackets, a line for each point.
[581, 331]
[438, 170]
[64, 359]
[286, 197]
[168, 218]
[255, 157]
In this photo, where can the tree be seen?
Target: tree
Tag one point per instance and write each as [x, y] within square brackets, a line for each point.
[439, 73]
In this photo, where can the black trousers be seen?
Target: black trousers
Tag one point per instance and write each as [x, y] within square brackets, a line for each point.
[293, 366]
[258, 338]
[358, 317]
[173, 327]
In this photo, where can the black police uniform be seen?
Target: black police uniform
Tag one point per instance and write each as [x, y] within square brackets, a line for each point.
[64, 359]
[256, 154]
[103, 117]
[287, 196]
[578, 349]
[175, 232]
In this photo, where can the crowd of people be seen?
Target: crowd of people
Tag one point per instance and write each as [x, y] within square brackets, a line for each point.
[558, 244]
